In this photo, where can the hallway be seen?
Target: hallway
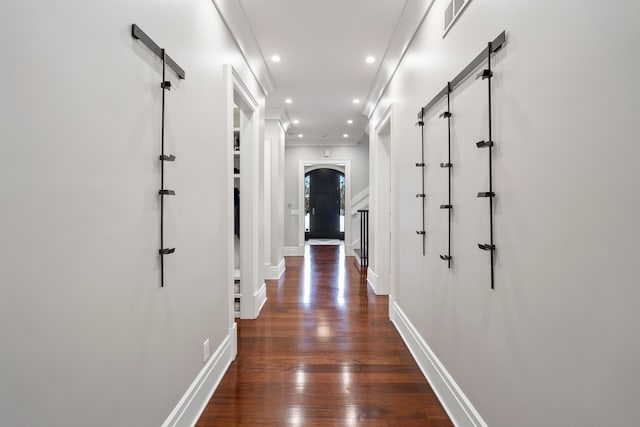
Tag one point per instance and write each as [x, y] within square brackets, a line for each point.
[323, 352]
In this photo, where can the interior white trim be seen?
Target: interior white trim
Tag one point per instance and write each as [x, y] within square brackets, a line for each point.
[273, 272]
[235, 19]
[195, 399]
[413, 14]
[293, 251]
[381, 201]
[281, 116]
[451, 396]
[260, 297]
[360, 196]
[346, 164]
[372, 279]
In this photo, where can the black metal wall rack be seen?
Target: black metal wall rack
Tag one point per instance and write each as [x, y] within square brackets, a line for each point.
[485, 74]
[165, 86]
[422, 195]
[449, 207]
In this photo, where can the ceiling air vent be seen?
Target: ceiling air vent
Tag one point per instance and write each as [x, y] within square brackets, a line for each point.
[448, 16]
[452, 12]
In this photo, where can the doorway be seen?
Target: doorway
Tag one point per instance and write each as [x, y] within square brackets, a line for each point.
[324, 204]
[304, 224]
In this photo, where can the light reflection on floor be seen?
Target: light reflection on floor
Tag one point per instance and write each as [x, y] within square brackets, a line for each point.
[306, 284]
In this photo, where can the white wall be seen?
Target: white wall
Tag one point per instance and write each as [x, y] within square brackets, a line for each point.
[555, 342]
[86, 331]
[357, 154]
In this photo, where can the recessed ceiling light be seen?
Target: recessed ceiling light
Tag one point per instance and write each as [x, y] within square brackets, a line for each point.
[300, 135]
[275, 58]
[350, 121]
[370, 59]
[295, 122]
[345, 135]
[288, 101]
[356, 101]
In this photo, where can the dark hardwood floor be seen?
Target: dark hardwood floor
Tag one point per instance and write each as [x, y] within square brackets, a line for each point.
[322, 353]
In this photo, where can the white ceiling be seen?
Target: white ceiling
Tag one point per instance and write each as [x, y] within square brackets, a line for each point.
[323, 46]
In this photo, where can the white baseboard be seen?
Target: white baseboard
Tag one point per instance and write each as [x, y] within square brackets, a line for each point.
[355, 245]
[451, 396]
[273, 272]
[293, 251]
[195, 399]
[372, 278]
[260, 297]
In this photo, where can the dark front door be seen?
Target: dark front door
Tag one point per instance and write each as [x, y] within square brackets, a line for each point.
[324, 204]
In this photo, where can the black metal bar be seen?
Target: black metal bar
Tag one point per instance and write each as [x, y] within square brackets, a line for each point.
[446, 207]
[167, 192]
[487, 247]
[495, 46]
[162, 192]
[449, 206]
[168, 158]
[364, 237]
[445, 165]
[489, 78]
[422, 195]
[167, 251]
[138, 34]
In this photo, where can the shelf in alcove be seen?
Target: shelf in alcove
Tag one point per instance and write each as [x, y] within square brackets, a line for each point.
[237, 295]
[236, 152]
[236, 175]
[236, 274]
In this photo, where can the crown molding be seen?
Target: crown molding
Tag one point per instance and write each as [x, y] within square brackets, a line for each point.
[412, 17]
[280, 115]
[237, 24]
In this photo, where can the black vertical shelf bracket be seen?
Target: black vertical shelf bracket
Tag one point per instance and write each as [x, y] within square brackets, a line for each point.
[485, 74]
[422, 194]
[449, 207]
[165, 85]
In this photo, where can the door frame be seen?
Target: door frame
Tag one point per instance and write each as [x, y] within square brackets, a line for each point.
[383, 256]
[237, 93]
[338, 173]
[346, 164]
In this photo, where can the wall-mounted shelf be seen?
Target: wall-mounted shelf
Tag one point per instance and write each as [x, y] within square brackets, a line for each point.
[485, 74]
[422, 195]
[165, 86]
[448, 166]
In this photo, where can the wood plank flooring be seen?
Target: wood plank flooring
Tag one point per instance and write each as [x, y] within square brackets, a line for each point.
[322, 353]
